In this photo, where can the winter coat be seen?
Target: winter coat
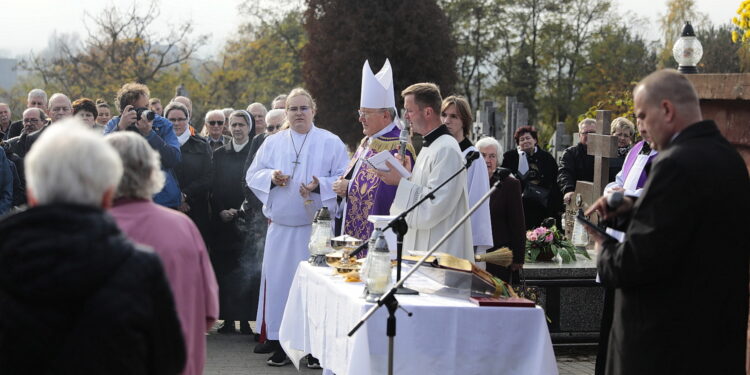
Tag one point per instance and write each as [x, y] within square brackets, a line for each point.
[77, 297]
[163, 140]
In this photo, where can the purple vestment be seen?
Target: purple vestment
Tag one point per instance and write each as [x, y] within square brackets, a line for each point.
[367, 195]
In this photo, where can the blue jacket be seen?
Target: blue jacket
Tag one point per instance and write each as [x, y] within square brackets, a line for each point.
[162, 139]
[6, 184]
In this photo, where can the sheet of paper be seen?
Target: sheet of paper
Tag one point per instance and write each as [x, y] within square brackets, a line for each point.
[378, 160]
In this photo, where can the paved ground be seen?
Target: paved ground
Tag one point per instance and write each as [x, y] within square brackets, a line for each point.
[232, 354]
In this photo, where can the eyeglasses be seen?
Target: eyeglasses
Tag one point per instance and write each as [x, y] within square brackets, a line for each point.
[173, 120]
[271, 128]
[216, 123]
[303, 108]
[61, 109]
[31, 121]
[367, 114]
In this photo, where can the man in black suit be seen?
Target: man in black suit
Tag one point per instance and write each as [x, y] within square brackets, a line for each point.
[681, 275]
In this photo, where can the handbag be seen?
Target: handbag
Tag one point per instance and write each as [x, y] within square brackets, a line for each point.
[536, 194]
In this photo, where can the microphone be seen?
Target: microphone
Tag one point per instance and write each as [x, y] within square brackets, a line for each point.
[501, 173]
[403, 138]
[470, 157]
[614, 200]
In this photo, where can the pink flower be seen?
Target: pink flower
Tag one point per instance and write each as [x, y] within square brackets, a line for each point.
[549, 238]
[533, 236]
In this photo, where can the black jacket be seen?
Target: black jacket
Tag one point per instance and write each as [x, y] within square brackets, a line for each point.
[533, 212]
[76, 297]
[681, 302]
[575, 165]
[194, 176]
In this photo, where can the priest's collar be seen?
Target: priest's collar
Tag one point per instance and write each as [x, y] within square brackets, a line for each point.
[384, 131]
[466, 143]
[435, 134]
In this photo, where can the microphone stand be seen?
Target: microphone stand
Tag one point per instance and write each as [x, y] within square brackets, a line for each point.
[399, 226]
[389, 298]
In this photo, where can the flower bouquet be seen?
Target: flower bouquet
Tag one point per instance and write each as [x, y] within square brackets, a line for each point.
[544, 243]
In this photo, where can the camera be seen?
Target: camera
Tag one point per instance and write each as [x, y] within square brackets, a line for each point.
[143, 111]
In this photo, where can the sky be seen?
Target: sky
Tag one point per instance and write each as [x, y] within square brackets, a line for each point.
[220, 18]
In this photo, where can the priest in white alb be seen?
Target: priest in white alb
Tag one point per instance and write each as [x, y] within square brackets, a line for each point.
[363, 193]
[292, 175]
[439, 158]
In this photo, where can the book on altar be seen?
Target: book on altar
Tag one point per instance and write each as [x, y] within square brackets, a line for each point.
[507, 302]
[378, 161]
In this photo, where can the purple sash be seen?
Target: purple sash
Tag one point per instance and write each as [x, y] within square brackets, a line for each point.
[630, 160]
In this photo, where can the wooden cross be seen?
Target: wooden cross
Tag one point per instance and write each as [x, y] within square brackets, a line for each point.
[604, 147]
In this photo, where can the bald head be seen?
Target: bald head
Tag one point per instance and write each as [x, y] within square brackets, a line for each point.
[665, 104]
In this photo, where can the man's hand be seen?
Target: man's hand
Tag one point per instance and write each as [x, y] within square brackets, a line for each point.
[144, 126]
[279, 179]
[305, 190]
[228, 215]
[127, 117]
[341, 186]
[391, 176]
[568, 196]
[601, 208]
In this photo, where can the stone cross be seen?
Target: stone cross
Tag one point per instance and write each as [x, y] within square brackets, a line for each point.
[604, 147]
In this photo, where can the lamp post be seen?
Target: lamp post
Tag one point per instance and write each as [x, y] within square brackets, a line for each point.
[687, 51]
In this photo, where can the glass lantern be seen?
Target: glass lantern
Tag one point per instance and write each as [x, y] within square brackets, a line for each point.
[687, 51]
[320, 237]
[378, 278]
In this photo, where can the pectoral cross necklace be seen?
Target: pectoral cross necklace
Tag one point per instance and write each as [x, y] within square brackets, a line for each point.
[296, 161]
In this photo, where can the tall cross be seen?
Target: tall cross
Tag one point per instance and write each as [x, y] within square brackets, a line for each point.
[604, 147]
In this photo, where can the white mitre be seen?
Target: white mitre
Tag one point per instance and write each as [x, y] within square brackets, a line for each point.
[377, 89]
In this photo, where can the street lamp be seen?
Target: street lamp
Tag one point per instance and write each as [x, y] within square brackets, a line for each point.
[687, 51]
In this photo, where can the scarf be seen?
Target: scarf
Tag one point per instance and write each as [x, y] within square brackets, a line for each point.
[523, 162]
[184, 137]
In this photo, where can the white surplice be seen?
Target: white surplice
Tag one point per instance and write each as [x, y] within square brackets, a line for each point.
[434, 217]
[321, 154]
[479, 184]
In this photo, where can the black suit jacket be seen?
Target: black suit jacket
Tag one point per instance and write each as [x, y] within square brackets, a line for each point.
[681, 275]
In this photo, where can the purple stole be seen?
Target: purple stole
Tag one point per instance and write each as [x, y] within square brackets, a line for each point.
[630, 160]
[367, 195]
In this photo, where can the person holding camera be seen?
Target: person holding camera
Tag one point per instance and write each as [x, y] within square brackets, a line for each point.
[132, 102]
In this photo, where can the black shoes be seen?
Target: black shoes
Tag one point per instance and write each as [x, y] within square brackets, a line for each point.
[313, 362]
[278, 359]
[264, 348]
[228, 327]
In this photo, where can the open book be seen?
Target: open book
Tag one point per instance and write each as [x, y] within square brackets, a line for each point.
[378, 161]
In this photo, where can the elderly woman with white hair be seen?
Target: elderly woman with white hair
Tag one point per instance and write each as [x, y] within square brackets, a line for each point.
[506, 210]
[173, 236]
[77, 297]
[237, 266]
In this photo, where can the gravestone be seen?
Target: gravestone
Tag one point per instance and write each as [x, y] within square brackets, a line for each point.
[604, 147]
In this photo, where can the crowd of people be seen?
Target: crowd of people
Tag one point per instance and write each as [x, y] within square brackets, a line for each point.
[227, 213]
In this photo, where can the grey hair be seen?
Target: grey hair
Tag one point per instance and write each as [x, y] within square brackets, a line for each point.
[490, 141]
[585, 122]
[392, 112]
[37, 93]
[215, 112]
[278, 112]
[142, 175]
[227, 111]
[278, 98]
[70, 163]
[177, 106]
[257, 105]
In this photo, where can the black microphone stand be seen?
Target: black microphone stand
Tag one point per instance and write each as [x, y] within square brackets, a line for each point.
[399, 226]
[389, 298]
